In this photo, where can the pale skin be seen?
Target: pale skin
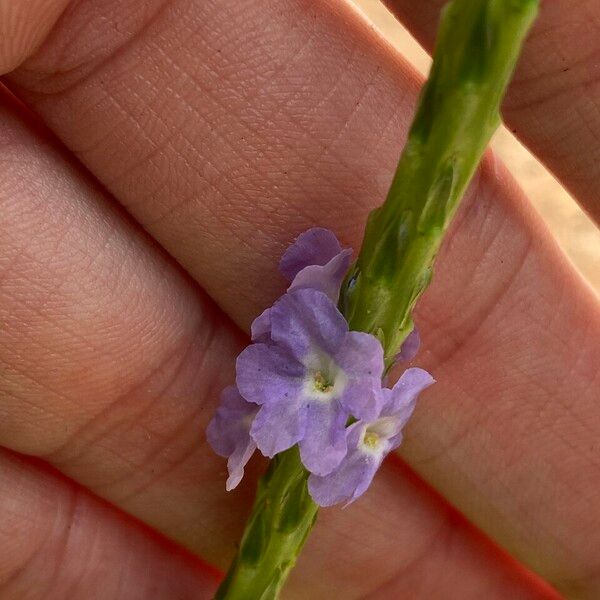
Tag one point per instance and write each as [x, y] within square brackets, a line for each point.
[224, 129]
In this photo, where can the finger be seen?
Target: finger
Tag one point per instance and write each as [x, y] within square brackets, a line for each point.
[447, 560]
[307, 130]
[553, 102]
[111, 359]
[23, 26]
[57, 542]
[111, 365]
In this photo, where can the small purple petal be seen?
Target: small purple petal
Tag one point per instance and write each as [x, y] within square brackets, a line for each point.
[351, 479]
[399, 402]
[304, 319]
[317, 246]
[231, 422]
[324, 444]
[279, 426]
[402, 397]
[361, 354]
[268, 374]
[362, 398]
[228, 433]
[326, 278]
[261, 327]
[410, 347]
[361, 358]
[236, 463]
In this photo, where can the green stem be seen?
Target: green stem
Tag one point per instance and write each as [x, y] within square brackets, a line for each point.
[282, 516]
[459, 110]
[478, 45]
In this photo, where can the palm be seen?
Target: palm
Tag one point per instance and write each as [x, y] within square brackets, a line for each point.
[224, 129]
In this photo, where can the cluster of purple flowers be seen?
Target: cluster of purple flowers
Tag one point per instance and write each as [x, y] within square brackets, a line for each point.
[307, 380]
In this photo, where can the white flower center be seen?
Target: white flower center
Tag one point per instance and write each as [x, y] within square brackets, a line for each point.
[371, 440]
[376, 435]
[324, 379]
[322, 383]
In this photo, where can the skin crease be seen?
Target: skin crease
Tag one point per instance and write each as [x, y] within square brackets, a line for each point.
[60, 542]
[23, 27]
[224, 143]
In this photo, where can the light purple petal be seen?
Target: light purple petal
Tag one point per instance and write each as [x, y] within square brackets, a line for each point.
[324, 443]
[305, 320]
[326, 278]
[361, 359]
[237, 461]
[228, 433]
[279, 426]
[316, 246]
[268, 374]
[410, 347]
[361, 354]
[261, 327]
[352, 477]
[231, 422]
[362, 398]
[399, 402]
[402, 397]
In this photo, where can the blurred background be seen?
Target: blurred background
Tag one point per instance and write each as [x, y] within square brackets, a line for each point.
[577, 235]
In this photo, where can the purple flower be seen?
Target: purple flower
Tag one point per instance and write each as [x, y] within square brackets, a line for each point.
[306, 376]
[316, 261]
[316, 246]
[228, 433]
[309, 378]
[369, 442]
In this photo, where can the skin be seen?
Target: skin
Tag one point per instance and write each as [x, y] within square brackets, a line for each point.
[190, 142]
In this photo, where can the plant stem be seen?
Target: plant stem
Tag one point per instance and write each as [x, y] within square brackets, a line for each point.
[282, 517]
[478, 45]
[459, 110]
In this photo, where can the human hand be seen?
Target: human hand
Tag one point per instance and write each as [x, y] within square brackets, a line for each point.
[225, 129]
